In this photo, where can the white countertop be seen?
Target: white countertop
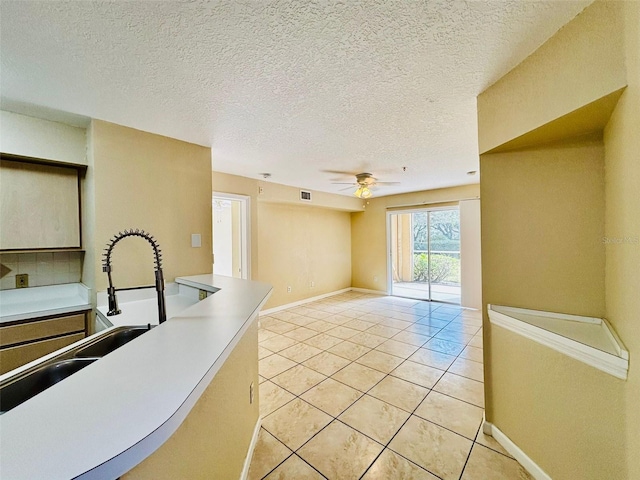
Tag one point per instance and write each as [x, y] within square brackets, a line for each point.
[140, 307]
[26, 303]
[106, 418]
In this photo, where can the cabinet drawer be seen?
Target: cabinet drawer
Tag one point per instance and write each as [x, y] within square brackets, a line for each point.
[38, 329]
[13, 357]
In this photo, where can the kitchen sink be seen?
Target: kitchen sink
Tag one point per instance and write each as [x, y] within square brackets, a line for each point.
[29, 383]
[111, 341]
[22, 388]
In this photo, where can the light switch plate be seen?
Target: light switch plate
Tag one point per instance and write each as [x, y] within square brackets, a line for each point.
[196, 240]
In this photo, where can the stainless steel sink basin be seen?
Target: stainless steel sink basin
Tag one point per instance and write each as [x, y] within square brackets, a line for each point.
[29, 383]
[23, 387]
[110, 341]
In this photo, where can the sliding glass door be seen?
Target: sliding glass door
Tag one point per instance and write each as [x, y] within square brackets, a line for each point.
[425, 254]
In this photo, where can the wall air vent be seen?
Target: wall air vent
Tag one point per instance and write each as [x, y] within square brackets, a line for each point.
[305, 195]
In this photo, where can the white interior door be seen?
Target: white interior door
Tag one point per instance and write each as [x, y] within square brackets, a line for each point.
[231, 251]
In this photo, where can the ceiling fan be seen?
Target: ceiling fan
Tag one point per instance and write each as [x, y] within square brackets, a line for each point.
[364, 182]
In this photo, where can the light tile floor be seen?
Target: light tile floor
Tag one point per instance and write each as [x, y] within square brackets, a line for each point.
[358, 386]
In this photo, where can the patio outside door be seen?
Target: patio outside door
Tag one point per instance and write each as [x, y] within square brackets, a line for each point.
[425, 254]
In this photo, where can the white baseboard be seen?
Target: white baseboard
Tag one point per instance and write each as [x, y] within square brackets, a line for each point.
[254, 439]
[529, 465]
[303, 301]
[367, 290]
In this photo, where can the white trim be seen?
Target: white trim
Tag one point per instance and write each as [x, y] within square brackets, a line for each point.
[558, 316]
[368, 290]
[612, 364]
[254, 440]
[424, 208]
[486, 426]
[304, 301]
[523, 459]
[389, 256]
[245, 226]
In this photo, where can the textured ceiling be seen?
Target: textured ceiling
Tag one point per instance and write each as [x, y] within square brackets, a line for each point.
[289, 88]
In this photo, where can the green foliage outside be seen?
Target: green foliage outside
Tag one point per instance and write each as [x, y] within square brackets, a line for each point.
[444, 269]
[444, 231]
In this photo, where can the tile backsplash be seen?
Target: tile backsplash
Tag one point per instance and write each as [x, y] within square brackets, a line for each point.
[43, 268]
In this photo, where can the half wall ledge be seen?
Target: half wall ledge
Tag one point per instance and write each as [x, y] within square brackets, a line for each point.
[586, 339]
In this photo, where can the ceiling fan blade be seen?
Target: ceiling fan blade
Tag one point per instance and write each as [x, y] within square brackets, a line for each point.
[387, 183]
[348, 188]
[339, 172]
[343, 183]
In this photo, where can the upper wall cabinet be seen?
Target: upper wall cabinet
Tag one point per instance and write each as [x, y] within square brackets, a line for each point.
[39, 206]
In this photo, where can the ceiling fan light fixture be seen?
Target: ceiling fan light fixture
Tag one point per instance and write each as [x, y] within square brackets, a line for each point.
[362, 192]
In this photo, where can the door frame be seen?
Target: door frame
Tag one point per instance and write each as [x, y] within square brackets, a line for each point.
[245, 229]
[390, 253]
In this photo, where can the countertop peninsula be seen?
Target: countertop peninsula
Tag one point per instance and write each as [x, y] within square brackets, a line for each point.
[106, 418]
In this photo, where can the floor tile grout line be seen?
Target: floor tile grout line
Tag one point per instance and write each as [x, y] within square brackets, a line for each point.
[284, 460]
[386, 446]
[327, 332]
[386, 374]
[475, 441]
[314, 468]
[466, 461]
[349, 426]
[333, 417]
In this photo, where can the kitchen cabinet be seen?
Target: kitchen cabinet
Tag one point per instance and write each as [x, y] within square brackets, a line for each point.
[39, 206]
[24, 341]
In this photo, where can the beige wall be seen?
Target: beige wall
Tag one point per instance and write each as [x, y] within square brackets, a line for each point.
[34, 137]
[213, 441]
[573, 420]
[300, 245]
[236, 239]
[294, 243]
[567, 416]
[542, 229]
[402, 248]
[561, 72]
[225, 183]
[369, 231]
[154, 183]
[622, 220]
[470, 254]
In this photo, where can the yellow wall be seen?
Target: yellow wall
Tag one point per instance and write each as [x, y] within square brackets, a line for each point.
[213, 441]
[300, 245]
[557, 78]
[470, 254]
[154, 183]
[369, 231]
[567, 416]
[622, 220]
[542, 228]
[401, 248]
[225, 183]
[574, 421]
[294, 243]
[236, 238]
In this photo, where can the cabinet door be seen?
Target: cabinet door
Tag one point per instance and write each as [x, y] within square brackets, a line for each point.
[40, 329]
[39, 206]
[14, 357]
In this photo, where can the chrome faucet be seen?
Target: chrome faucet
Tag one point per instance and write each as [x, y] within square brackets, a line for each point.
[106, 267]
